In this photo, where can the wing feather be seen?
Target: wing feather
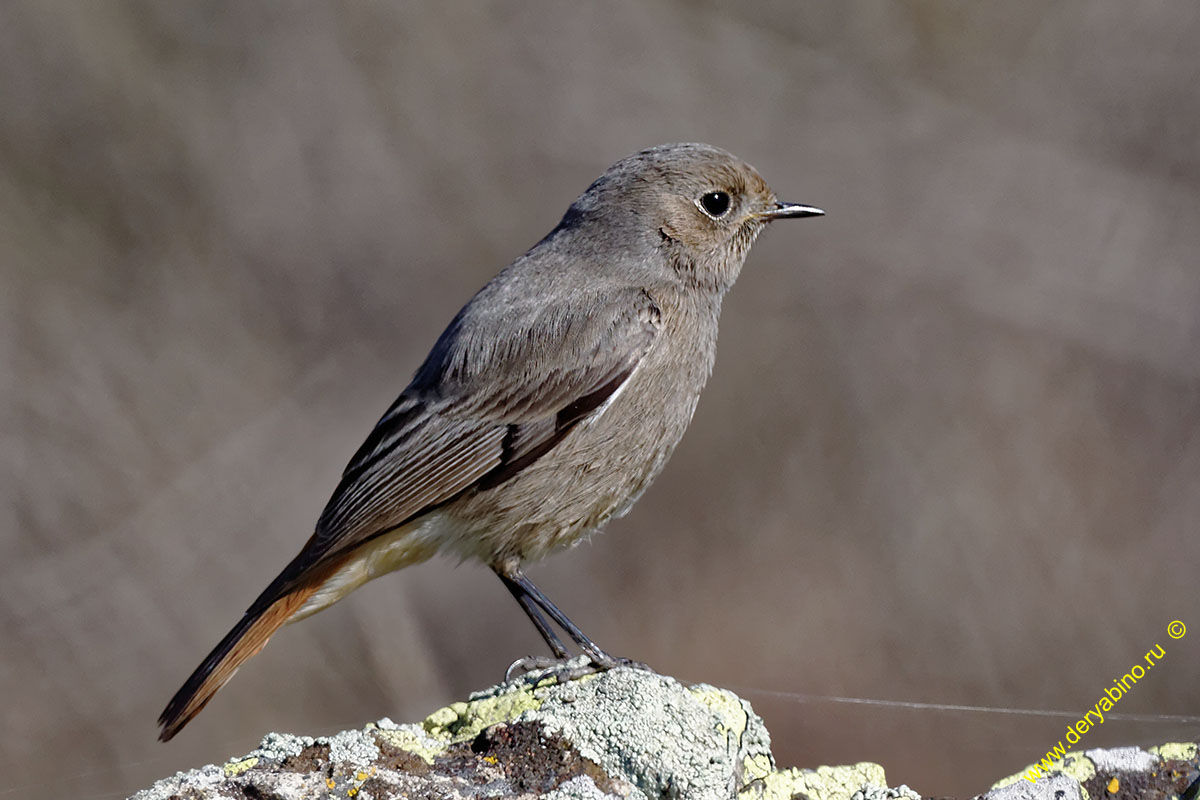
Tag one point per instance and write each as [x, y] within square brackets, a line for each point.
[470, 420]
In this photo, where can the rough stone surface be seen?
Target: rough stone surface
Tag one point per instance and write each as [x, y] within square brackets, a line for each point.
[621, 734]
[625, 733]
[1163, 772]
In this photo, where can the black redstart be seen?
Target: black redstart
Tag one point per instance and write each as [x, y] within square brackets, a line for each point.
[547, 406]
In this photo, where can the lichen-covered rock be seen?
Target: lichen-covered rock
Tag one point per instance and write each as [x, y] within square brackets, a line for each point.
[624, 733]
[1166, 771]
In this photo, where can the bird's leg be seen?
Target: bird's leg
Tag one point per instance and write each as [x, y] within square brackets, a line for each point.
[531, 598]
[560, 650]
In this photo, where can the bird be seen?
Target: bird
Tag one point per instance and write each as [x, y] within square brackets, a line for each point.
[546, 407]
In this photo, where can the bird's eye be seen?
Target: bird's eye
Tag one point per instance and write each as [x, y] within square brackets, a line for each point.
[715, 204]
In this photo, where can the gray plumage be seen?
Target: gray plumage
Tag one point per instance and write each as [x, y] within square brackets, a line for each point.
[547, 406]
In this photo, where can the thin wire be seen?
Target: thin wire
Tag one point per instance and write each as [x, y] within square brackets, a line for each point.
[1027, 712]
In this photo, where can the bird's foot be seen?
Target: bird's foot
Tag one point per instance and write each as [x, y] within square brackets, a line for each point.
[535, 669]
[529, 664]
[601, 661]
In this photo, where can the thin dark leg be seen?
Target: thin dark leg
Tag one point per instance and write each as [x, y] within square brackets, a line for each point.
[539, 622]
[524, 590]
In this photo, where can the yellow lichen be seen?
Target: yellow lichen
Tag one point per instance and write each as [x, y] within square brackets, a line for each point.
[437, 723]
[1176, 751]
[725, 706]
[459, 722]
[407, 740]
[464, 721]
[1076, 766]
[238, 767]
[823, 783]
[756, 767]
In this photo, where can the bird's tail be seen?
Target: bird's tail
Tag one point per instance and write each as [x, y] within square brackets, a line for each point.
[245, 640]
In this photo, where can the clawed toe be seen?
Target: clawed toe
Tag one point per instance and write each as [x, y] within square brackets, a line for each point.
[535, 669]
[600, 661]
[629, 662]
[523, 666]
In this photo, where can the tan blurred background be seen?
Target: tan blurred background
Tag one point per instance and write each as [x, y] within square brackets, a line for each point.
[950, 452]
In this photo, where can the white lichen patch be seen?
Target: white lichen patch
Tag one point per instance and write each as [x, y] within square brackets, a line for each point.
[824, 783]
[351, 748]
[1123, 759]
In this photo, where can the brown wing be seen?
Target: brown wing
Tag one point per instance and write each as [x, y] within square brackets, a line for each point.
[477, 414]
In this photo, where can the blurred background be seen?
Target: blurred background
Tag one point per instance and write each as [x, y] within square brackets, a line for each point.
[950, 452]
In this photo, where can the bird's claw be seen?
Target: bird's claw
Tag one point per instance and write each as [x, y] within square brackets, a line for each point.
[527, 664]
[535, 669]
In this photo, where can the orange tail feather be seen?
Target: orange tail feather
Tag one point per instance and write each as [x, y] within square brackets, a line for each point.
[245, 640]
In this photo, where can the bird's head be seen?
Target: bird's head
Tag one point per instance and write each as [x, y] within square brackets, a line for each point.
[697, 204]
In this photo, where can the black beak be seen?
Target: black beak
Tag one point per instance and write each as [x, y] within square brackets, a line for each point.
[790, 211]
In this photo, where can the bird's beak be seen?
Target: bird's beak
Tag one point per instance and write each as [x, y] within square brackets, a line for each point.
[790, 211]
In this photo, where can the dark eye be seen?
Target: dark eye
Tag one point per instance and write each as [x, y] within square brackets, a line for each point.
[715, 203]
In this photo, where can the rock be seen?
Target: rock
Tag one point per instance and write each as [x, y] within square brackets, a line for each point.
[625, 733]
[1160, 773]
